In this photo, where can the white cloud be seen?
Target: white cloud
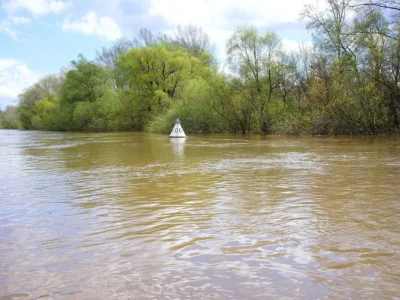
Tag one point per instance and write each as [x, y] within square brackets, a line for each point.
[219, 18]
[14, 78]
[6, 26]
[36, 7]
[217, 13]
[295, 46]
[90, 24]
[20, 20]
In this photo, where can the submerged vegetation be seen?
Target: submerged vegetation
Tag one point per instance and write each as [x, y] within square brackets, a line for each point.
[347, 82]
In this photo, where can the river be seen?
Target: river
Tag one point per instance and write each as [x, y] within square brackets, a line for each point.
[140, 216]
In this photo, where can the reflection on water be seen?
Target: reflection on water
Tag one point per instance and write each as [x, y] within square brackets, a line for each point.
[178, 144]
[128, 215]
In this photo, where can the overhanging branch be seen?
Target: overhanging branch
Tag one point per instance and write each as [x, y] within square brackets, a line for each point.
[374, 4]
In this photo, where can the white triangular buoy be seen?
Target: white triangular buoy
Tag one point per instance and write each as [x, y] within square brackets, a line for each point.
[177, 131]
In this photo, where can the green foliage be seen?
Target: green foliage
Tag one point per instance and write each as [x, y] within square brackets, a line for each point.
[85, 82]
[347, 83]
[48, 88]
[258, 61]
[9, 118]
[155, 78]
[88, 101]
[46, 110]
[194, 110]
[94, 116]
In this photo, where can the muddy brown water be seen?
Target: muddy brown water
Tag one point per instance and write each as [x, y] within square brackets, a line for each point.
[140, 216]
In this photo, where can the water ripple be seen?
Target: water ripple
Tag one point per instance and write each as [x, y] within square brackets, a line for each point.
[92, 216]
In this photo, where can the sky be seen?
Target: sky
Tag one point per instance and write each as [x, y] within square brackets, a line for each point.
[40, 37]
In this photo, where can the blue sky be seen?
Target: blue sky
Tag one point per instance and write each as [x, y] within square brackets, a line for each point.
[39, 37]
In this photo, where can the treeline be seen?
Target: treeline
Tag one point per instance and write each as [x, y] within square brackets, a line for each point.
[347, 82]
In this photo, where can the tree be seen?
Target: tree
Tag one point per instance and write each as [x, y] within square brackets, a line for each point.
[108, 57]
[300, 74]
[390, 78]
[393, 5]
[147, 38]
[331, 31]
[191, 38]
[155, 77]
[9, 118]
[158, 68]
[85, 82]
[85, 96]
[256, 60]
[49, 85]
[361, 75]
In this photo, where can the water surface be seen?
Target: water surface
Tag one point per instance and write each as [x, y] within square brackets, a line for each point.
[140, 216]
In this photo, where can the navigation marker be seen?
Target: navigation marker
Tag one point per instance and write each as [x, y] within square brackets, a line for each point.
[177, 131]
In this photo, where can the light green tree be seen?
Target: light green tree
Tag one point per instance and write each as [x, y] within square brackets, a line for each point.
[256, 59]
